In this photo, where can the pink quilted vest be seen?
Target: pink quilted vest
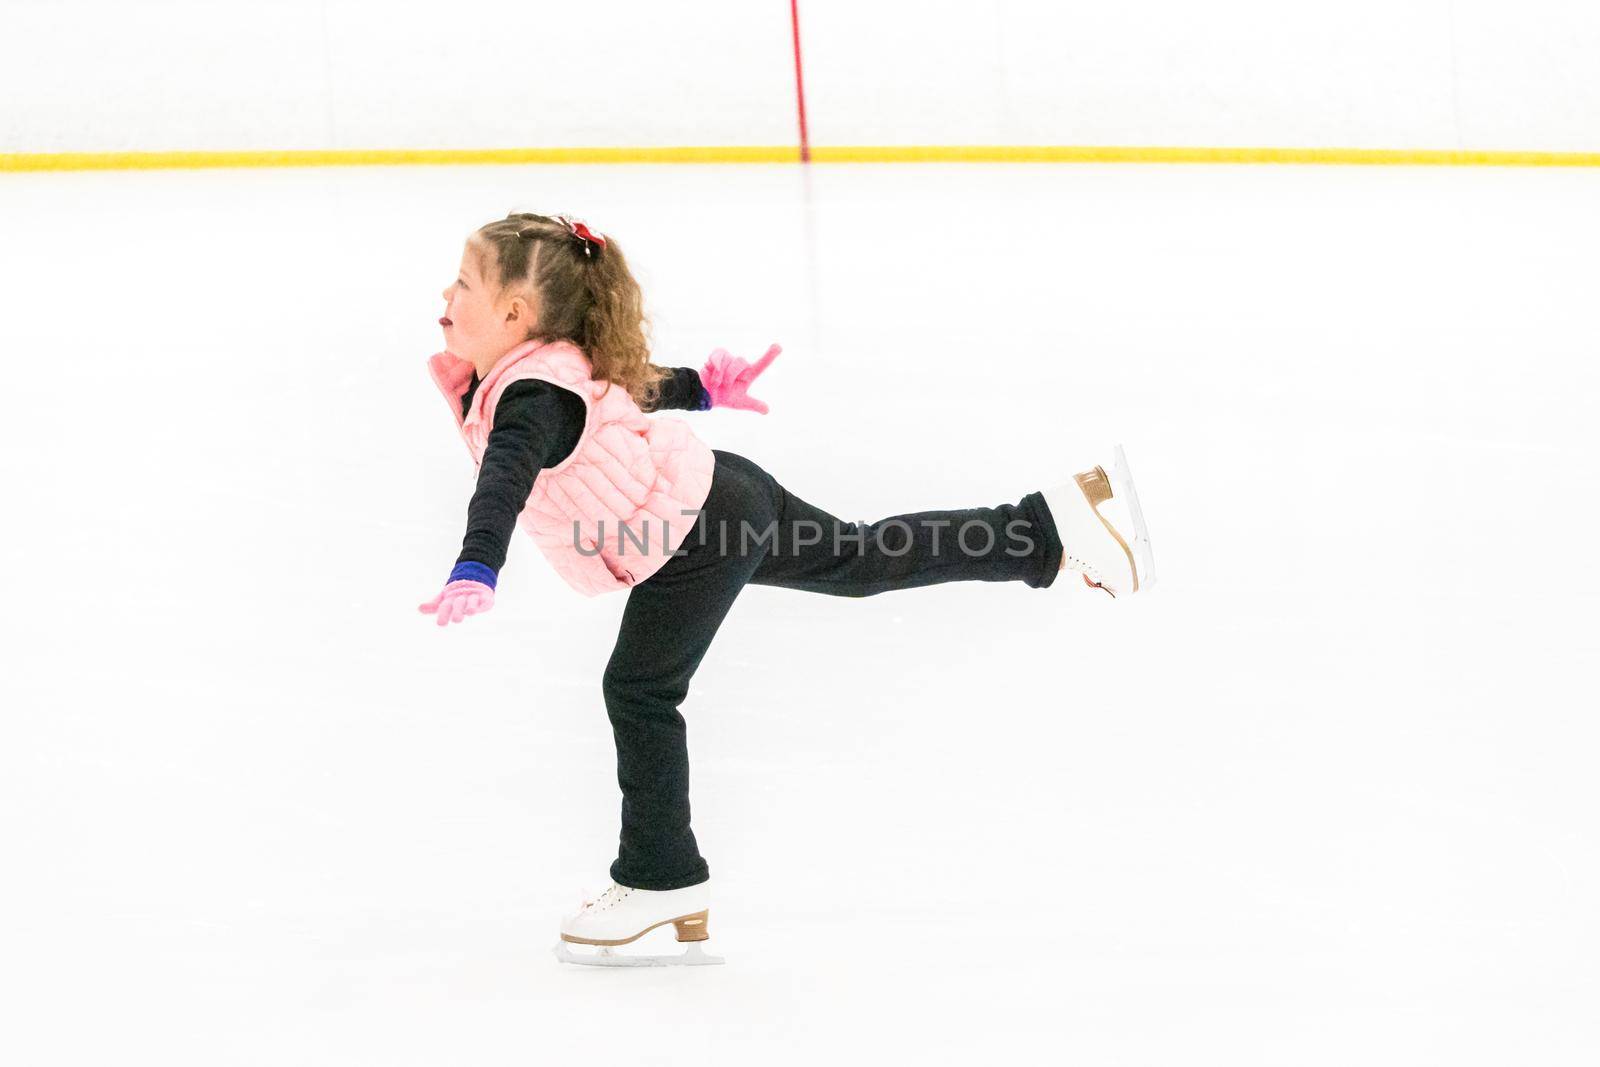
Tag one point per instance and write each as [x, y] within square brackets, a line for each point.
[612, 513]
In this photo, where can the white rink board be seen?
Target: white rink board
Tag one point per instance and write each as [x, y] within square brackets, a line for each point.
[182, 75]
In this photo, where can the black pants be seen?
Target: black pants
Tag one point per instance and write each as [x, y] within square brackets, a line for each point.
[752, 530]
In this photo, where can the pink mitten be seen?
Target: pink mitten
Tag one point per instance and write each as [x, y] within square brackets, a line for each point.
[457, 600]
[727, 379]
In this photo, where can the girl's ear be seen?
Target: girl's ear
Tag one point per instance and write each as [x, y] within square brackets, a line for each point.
[517, 311]
[522, 313]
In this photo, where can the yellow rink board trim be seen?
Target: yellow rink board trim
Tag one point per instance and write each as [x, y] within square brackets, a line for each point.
[60, 161]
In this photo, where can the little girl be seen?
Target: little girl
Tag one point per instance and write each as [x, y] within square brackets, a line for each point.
[548, 376]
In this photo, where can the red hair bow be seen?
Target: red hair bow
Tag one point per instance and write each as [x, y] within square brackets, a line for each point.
[583, 233]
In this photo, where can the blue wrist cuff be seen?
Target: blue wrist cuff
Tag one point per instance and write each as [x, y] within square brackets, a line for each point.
[472, 572]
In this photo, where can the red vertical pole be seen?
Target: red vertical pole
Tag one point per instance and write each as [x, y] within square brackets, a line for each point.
[799, 82]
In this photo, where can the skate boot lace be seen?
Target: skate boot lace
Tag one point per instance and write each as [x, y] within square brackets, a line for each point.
[614, 895]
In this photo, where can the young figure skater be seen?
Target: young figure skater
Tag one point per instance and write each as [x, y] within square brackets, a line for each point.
[548, 376]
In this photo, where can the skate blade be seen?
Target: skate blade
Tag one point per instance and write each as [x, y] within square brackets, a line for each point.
[693, 956]
[1122, 485]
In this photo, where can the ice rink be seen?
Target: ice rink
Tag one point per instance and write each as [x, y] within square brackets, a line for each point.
[1326, 795]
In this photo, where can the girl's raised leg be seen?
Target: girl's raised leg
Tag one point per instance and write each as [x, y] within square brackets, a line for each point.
[815, 551]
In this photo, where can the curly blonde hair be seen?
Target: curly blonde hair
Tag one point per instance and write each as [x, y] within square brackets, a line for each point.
[585, 294]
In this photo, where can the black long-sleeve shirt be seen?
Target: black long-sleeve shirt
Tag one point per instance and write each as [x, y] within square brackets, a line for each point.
[537, 425]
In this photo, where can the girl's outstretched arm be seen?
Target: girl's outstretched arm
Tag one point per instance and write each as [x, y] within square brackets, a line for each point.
[724, 382]
[536, 425]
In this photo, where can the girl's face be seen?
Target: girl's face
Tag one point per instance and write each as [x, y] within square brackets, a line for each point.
[478, 326]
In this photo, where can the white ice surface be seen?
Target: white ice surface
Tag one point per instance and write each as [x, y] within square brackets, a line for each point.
[1326, 796]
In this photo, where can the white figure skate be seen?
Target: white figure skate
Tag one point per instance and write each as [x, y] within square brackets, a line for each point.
[621, 914]
[1102, 528]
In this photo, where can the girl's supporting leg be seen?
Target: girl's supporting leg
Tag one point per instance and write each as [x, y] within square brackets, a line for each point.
[667, 626]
